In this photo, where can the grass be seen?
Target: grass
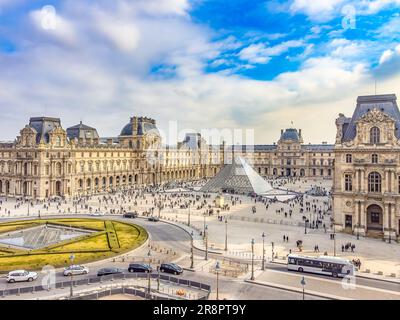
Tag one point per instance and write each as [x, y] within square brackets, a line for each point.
[111, 238]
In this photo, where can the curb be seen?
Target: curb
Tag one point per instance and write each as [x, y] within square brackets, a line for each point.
[291, 289]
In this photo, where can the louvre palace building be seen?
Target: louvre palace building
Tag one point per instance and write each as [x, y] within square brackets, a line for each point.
[366, 183]
[47, 161]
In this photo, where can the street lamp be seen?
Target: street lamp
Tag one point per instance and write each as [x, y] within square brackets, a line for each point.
[334, 239]
[263, 257]
[158, 278]
[149, 283]
[189, 216]
[217, 268]
[272, 251]
[206, 237]
[226, 234]
[252, 259]
[71, 258]
[204, 225]
[303, 284]
[191, 252]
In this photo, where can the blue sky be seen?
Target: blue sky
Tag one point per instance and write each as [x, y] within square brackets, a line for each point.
[204, 63]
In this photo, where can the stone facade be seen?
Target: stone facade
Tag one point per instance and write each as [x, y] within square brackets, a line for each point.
[47, 161]
[289, 157]
[366, 190]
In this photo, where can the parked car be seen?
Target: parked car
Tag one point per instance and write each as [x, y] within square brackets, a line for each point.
[140, 267]
[75, 270]
[130, 215]
[21, 275]
[108, 271]
[153, 218]
[171, 268]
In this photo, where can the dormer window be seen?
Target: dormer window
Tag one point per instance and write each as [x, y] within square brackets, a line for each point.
[374, 158]
[348, 158]
[375, 135]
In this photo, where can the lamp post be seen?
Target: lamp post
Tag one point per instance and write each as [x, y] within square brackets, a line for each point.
[204, 225]
[263, 248]
[303, 284]
[71, 292]
[149, 282]
[272, 251]
[189, 215]
[217, 268]
[206, 237]
[158, 278]
[334, 239]
[252, 259]
[226, 234]
[191, 253]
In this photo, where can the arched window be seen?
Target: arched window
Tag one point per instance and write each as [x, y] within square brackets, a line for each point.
[348, 158]
[374, 182]
[374, 158]
[375, 135]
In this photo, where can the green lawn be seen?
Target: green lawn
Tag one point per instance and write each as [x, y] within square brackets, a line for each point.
[111, 238]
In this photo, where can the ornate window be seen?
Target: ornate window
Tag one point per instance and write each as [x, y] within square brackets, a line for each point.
[374, 182]
[348, 182]
[375, 135]
[349, 158]
[374, 158]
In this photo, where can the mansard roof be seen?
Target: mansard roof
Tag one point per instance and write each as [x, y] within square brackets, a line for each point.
[385, 103]
[44, 125]
[82, 131]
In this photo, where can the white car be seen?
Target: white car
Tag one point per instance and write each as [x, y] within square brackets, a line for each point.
[21, 275]
[75, 270]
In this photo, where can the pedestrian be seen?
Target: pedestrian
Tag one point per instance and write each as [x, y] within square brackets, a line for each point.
[342, 248]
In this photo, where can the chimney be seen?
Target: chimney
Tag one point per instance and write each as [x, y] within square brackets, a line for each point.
[109, 141]
[300, 132]
[281, 131]
[134, 125]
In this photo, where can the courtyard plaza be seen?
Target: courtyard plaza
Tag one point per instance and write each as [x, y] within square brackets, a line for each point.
[248, 218]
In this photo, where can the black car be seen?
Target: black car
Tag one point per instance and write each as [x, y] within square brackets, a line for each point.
[108, 271]
[153, 218]
[171, 268]
[131, 215]
[140, 267]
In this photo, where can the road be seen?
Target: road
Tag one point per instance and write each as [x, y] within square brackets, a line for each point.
[231, 288]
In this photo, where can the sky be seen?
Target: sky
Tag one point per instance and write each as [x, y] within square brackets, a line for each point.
[234, 64]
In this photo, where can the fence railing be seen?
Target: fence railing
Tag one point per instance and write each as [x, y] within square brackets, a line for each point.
[94, 280]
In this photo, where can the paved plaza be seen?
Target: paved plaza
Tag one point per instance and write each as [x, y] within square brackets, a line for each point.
[247, 218]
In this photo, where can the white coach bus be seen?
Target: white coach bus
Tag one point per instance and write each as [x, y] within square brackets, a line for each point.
[326, 265]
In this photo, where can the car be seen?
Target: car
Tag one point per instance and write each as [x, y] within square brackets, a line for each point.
[130, 215]
[96, 214]
[171, 268]
[75, 270]
[153, 218]
[21, 275]
[140, 267]
[108, 271]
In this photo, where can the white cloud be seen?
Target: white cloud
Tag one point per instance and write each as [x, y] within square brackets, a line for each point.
[260, 53]
[104, 79]
[386, 56]
[316, 10]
